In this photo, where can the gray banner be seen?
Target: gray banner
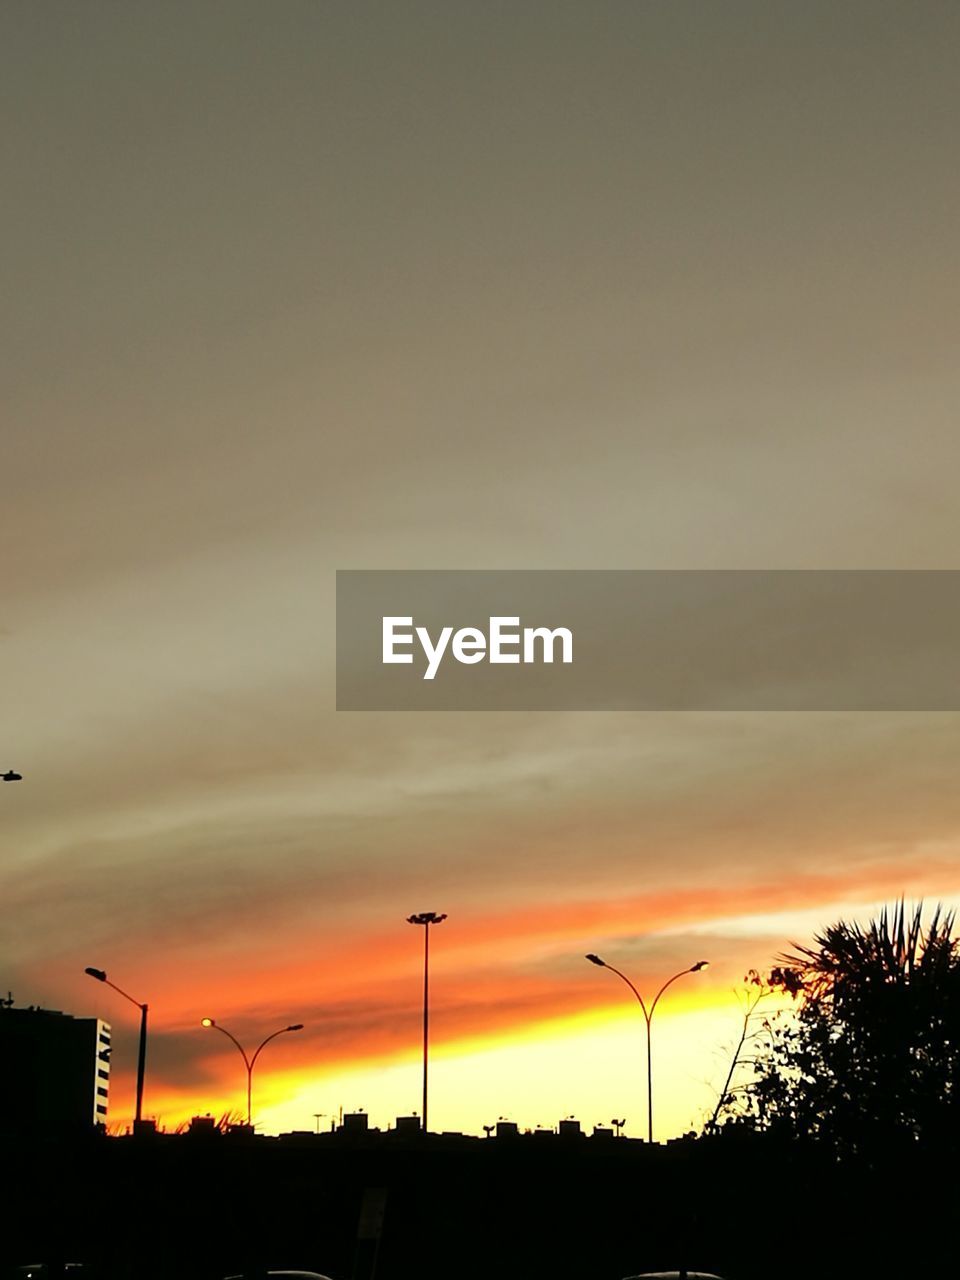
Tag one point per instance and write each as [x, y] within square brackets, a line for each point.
[683, 640]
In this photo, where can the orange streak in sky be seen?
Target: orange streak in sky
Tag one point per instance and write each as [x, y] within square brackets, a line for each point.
[495, 975]
[348, 966]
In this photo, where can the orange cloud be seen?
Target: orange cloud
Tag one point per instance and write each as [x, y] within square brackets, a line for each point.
[497, 976]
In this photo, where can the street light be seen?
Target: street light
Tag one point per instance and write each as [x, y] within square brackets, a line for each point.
[426, 918]
[142, 1055]
[11, 776]
[648, 1018]
[249, 1063]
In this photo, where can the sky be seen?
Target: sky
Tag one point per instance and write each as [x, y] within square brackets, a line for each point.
[292, 288]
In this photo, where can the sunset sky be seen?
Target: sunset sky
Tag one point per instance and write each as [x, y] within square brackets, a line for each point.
[297, 287]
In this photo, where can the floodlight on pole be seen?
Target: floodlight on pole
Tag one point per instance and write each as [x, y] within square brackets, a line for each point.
[426, 918]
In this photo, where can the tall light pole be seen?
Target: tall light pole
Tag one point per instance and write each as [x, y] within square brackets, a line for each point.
[250, 1063]
[426, 918]
[142, 1055]
[648, 1019]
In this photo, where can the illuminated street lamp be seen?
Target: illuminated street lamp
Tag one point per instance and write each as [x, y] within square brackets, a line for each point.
[249, 1063]
[426, 918]
[648, 1019]
[142, 1055]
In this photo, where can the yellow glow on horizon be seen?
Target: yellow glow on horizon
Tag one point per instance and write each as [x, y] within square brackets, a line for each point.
[591, 1064]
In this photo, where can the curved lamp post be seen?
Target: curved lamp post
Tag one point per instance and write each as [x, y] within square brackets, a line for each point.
[250, 1063]
[142, 1055]
[648, 1019]
[426, 918]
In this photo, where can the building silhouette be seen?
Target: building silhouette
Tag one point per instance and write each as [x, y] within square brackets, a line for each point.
[54, 1072]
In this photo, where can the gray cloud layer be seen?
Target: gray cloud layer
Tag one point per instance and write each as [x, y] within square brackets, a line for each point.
[300, 287]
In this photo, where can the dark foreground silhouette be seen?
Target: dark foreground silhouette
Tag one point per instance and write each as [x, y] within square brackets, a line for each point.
[744, 1206]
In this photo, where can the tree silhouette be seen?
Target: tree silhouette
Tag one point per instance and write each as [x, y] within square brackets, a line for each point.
[868, 1060]
[756, 990]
